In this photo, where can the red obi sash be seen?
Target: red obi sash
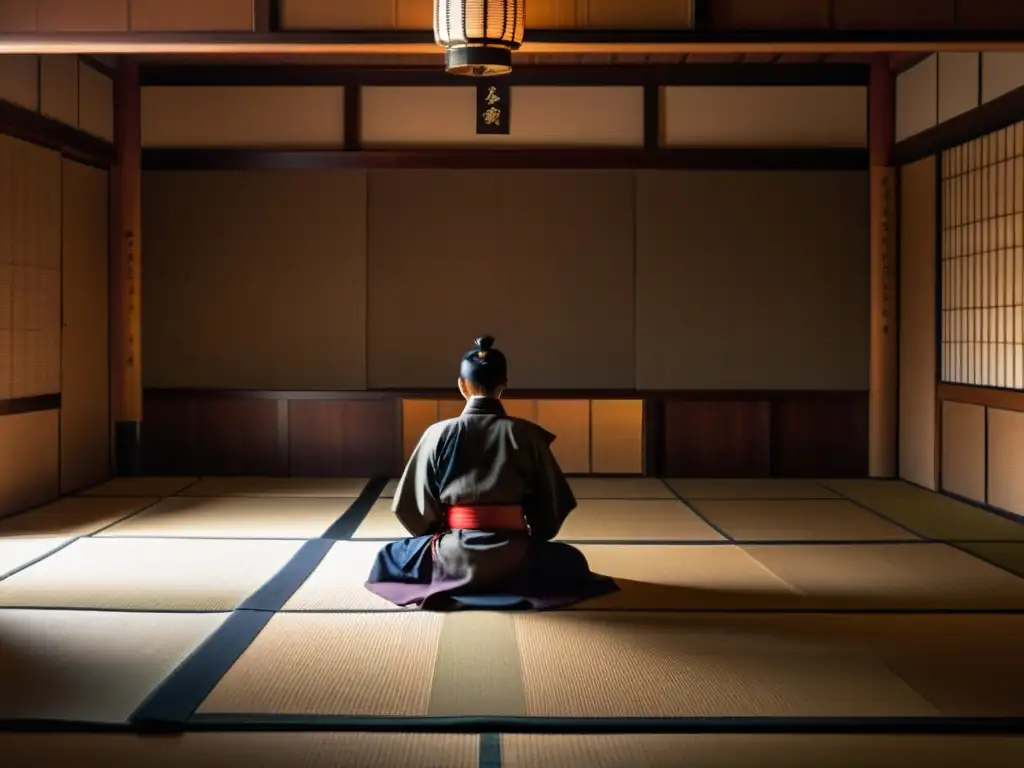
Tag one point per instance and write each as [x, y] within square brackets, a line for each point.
[487, 518]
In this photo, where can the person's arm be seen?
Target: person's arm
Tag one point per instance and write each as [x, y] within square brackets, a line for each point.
[551, 499]
[416, 503]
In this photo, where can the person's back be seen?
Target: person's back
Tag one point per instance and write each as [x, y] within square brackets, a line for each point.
[482, 496]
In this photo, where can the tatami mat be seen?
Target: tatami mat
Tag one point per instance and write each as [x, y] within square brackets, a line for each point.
[685, 578]
[15, 553]
[235, 517]
[389, 490]
[619, 488]
[664, 665]
[148, 574]
[798, 520]
[334, 664]
[749, 488]
[380, 523]
[929, 514]
[141, 486]
[636, 519]
[297, 487]
[72, 516]
[966, 665]
[90, 665]
[338, 582]
[1006, 554]
[759, 751]
[891, 576]
[231, 750]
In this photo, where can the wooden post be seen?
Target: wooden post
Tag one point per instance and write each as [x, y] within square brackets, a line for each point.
[883, 393]
[125, 277]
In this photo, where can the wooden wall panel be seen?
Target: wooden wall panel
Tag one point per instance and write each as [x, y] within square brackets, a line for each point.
[18, 16]
[520, 409]
[776, 116]
[1002, 72]
[558, 242]
[958, 83]
[917, 98]
[450, 408]
[963, 450]
[400, 116]
[569, 421]
[30, 252]
[59, 88]
[989, 14]
[81, 15]
[238, 437]
[417, 415]
[96, 102]
[225, 305]
[169, 435]
[817, 435]
[356, 438]
[886, 14]
[193, 15]
[85, 371]
[617, 437]
[739, 286]
[717, 438]
[19, 80]
[918, 354]
[29, 472]
[778, 14]
[1006, 460]
[243, 116]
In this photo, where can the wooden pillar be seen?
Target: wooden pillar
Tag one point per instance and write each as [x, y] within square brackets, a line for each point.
[125, 277]
[884, 365]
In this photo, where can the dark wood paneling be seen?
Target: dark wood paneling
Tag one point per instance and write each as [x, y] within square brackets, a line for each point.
[17, 405]
[819, 435]
[554, 75]
[168, 436]
[359, 438]
[358, 434]
[711, 158]
[77, 145]
[716, 438]
[237, 437]
[981, 121]
[894, 14]
[762, 14]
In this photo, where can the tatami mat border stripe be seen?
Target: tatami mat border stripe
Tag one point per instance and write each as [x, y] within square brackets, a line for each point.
[491, 726]
[181, 693]
[954, 543]
[273, 595]
[623, 725]
[490, 751]
[346, 525]
[39, 559]
[689, 506]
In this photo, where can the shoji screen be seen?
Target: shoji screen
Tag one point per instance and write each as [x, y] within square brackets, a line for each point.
[983, 261]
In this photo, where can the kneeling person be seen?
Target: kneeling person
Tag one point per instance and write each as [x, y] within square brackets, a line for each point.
[483, 496]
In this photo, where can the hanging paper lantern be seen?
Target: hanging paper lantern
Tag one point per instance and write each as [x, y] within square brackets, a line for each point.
[479, 35]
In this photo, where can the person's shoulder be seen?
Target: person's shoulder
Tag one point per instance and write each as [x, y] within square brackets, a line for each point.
[529, 430]
[437, 431]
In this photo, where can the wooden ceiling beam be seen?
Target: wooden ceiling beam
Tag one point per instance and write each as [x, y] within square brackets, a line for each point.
[561, 41]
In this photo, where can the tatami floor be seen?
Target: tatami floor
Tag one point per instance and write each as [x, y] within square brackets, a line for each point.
[233, 609]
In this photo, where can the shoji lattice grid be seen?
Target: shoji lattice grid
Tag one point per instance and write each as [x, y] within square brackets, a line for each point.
[982, 279]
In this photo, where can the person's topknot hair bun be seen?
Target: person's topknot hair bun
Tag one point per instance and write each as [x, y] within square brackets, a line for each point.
[485, 343]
